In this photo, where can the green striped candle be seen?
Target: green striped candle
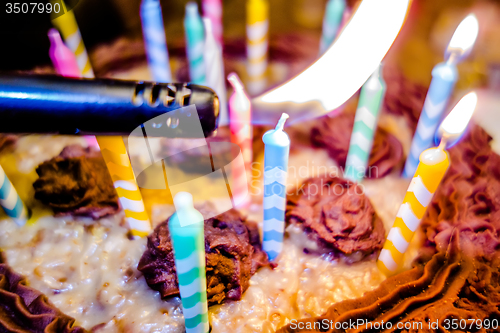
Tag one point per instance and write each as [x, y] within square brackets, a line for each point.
[365, 125]
[187, 231]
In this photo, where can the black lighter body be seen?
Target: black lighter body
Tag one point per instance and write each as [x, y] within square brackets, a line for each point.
[57, 105]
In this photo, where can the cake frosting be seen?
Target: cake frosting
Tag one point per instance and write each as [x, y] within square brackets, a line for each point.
[336, 214]
[334, 134]
[77, 182]
[457, 274]
[233, 254]
[455, 284]
[470, 191]
[24, 309]
[403, 97]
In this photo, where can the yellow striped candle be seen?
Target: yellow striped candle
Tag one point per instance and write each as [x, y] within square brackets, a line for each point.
[67, 26]
[115, 155]
[257, 44]
[114, 152]
[434, 163]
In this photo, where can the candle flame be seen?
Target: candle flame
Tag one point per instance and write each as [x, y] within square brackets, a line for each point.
[464, 37]
[344, 67]
[458, 119]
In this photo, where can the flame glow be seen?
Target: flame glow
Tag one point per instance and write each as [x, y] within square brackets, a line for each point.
[457, 120]
[465, 36]
[349, 62]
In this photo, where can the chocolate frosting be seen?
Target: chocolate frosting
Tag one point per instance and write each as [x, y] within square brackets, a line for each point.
[336, 213]
[456, 284]
[7, 141]
[470, 191]
[77, 182]
[403, 97]
[233, 254]
[334, 134]
[24, 309]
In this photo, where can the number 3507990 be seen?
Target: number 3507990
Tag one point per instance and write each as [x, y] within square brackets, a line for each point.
[32, 8]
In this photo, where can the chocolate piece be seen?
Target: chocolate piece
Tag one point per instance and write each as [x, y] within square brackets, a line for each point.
[233, 254]
[403, 97]
[77, 182]
[334, 134]
[470, 190]
[457, 284]
[24, 309]
[336, 213]
[7, 141]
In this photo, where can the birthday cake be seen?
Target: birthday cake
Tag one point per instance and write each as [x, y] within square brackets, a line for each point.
[74, 266]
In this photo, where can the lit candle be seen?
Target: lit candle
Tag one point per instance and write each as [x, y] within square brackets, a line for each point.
[276, 151]
[434, 163]
[365, 125]
[195, 41]
[257, 44]
[10, 201]
[155, 41]
[444, 77]
[212, 9]
[331, 23]
[186, 228]
[240, 113]
[214, 65]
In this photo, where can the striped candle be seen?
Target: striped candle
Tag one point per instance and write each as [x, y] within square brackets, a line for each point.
[433, 165]
[276, 151]
[444, 77]
[331, 23]
[257, 44]
[188, 239]
[195, 43]
[214, 65]
[365, 125]
[115, 155]
[68, 27]
[155, 41]
[212, 9]
[240, 113]
[10, 201]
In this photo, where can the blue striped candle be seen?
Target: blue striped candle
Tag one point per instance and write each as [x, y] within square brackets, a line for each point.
[277, 149]
[444, 77]
[331, 23]
[195, 43]
[155, 41]
[10, 200]
[188, 239]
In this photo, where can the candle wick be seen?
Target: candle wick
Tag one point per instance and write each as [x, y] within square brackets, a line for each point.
[281, 122]
[454, 57]
[444, 141]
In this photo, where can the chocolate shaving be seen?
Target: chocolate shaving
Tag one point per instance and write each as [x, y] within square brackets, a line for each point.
[77, 182]
[24, 309]
[233, 254]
